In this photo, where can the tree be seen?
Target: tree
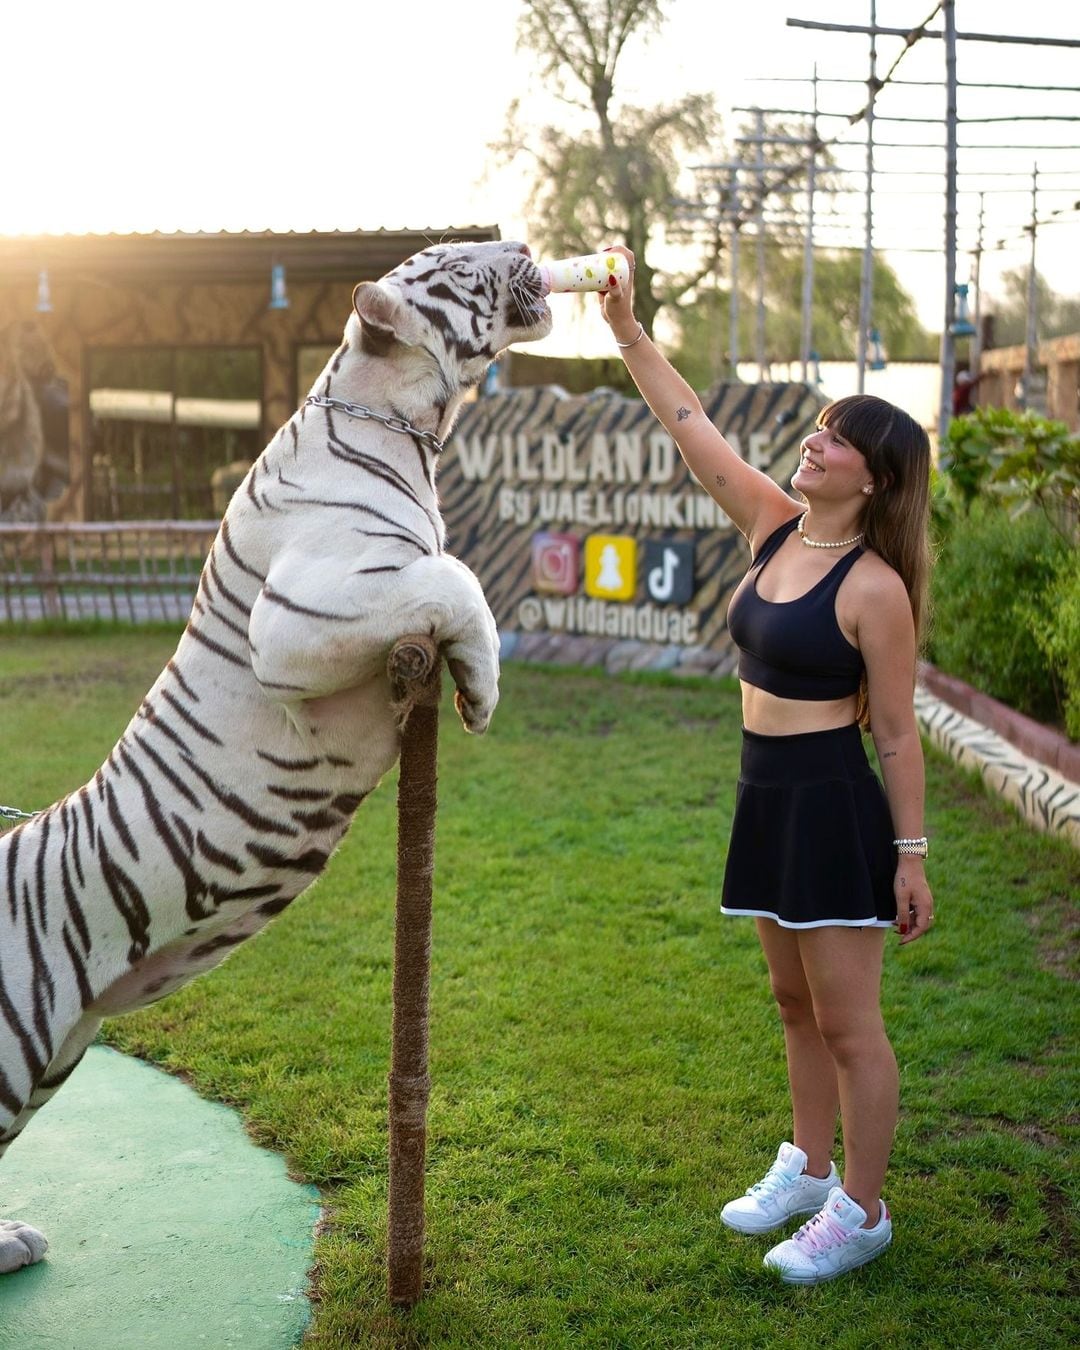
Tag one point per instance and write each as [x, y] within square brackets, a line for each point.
[702, 353]
[611, 177]
[1056, 315]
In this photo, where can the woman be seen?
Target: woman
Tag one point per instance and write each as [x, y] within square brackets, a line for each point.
[826, 621]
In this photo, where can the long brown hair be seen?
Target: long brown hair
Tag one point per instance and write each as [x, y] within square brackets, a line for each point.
[896, 521]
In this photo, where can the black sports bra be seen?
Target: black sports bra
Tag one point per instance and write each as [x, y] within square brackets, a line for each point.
[795, 648]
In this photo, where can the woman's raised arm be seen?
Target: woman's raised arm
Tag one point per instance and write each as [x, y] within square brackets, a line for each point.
[754, 502]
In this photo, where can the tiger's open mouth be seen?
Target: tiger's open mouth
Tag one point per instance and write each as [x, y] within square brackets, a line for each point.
[528, 308]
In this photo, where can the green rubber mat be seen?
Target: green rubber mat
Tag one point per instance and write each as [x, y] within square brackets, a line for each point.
[166, 1225]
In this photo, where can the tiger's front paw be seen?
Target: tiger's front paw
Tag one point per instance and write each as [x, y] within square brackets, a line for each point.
[475, 714]
[20, 1245]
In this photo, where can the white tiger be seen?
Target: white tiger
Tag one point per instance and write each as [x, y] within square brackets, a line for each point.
[242, 768]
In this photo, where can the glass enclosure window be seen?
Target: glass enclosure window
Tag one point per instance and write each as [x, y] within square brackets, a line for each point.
[172, 429]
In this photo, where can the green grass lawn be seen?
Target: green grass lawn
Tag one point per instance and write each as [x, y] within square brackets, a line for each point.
[607, 1066]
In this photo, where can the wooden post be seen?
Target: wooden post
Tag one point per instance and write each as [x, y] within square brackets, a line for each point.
[415, 672]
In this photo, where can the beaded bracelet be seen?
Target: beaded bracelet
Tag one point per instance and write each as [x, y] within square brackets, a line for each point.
[635, 341]
[915, 848]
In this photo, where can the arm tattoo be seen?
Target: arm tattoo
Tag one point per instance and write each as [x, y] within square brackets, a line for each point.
[682, 414]
[721, 481]
[889, 754]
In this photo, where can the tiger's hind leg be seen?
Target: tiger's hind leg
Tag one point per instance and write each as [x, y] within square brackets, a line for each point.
[21, 1245]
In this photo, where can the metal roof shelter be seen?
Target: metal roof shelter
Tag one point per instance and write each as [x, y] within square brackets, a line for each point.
[73, 307]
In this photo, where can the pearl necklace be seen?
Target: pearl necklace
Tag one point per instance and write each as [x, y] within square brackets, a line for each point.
[814, 543]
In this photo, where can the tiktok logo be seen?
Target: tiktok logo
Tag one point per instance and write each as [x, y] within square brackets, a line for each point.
[669, 571]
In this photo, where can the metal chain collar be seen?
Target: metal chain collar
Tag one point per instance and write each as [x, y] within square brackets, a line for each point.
[426, 438]
[12, 813]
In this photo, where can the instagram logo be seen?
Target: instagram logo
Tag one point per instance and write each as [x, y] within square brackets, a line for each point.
[555, 563]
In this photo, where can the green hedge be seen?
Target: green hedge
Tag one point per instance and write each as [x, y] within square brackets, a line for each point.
[990, 589]
[1006, 585]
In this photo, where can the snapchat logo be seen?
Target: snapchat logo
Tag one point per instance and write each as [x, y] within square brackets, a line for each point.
[611, 566]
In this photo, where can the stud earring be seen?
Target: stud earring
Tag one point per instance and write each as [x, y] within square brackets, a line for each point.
[868, 489]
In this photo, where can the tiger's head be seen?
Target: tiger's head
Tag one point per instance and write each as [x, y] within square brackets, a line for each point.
[446, 313]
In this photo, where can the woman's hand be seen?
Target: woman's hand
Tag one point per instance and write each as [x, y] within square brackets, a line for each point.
[617, 302]
[914, 903]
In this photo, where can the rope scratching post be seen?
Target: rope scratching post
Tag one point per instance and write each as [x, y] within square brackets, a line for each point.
[415, 672]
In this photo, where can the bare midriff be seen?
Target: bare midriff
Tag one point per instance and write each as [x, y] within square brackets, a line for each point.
[769, 715]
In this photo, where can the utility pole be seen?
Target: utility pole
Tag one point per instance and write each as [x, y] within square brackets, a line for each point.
[759, 164]
[1031, 337]
[733, 302]
[866, 282]
[976, 273]
[948, 339]
[806, 336]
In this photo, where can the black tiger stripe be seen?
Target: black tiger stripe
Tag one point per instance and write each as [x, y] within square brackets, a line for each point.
[174, 670]
[289, 763]
[120, 825]
[242, 633]
[167, 772]
[34, 1063]
[294, 607]
[215, 647]
[369, 571]
[128, 900]
[88, 814]
[360, 507]
[216, 855]
[184, 830]
[42, 988]
[71, 901]
[217, 944]
[198, 727]
[317, 820]
[389, 534]
[238, 806]
[8, 1101]
[247, 893]
[57, 1080]
[313, 860]
[249, 487]
[13, 855]
[227, 543]
[69, 819]
[194, 885]
[148, 713]
[45, 820]
[229, 595]
[86, 994]
[298, 794]
[276, 906]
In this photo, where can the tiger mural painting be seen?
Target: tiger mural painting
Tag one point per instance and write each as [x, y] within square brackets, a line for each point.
[242, 768]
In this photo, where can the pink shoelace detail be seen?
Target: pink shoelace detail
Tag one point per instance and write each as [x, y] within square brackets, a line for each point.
[821, 1233]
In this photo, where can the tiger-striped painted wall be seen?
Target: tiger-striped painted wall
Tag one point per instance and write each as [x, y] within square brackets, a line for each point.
[532, 461]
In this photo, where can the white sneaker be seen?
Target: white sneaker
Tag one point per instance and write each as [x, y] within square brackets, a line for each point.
[832, 1242]
[784, 1190]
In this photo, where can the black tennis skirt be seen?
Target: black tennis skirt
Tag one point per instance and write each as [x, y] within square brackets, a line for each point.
[811, 839]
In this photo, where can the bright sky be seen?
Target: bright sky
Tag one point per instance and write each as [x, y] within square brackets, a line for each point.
[128, 115]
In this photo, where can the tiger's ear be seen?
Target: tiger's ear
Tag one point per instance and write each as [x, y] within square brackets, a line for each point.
[381, 317]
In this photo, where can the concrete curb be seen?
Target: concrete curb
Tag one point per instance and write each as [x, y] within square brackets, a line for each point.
[1044, 797]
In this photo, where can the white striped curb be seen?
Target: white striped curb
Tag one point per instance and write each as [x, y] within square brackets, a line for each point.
[1041, 795]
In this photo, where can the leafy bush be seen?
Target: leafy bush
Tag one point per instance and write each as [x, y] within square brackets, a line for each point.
[991, 589]
[1060, 640]
[1019, 457]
